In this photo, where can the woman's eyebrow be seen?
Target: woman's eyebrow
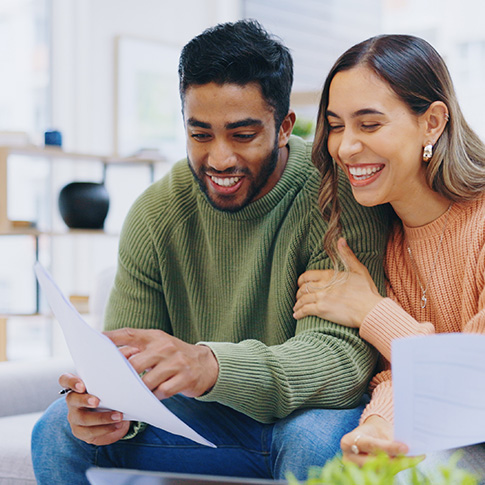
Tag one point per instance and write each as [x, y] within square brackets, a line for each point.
[360, 112]
[332, 114]
[367, 111]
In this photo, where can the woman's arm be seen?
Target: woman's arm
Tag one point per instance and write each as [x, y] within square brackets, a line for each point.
[346, 301]
[375, 431]
[386, 322]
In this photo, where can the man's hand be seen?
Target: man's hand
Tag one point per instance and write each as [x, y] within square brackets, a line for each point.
[93, 427]
[172, 366]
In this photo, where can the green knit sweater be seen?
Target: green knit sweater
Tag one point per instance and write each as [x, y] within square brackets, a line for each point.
[229, 280]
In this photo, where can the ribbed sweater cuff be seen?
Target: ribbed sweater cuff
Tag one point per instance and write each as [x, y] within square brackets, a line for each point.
[381, 403]
[388, 321]
[230, 382]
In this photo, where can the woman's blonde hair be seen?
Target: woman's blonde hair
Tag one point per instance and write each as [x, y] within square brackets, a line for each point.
[415, 71]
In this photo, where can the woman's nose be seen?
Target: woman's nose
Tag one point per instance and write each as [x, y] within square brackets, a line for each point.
[349, 145]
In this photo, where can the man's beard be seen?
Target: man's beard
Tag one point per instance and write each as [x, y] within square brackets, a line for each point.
[258, 181]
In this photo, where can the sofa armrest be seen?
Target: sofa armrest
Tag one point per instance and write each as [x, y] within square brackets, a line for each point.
[30, 386]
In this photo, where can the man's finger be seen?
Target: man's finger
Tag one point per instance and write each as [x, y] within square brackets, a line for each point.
[102, 434]
[70, 381]
[123, 336]
[82, 400]
[128, 351]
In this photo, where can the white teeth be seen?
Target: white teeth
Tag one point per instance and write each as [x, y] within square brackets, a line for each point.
[362, 173]
[226, 181]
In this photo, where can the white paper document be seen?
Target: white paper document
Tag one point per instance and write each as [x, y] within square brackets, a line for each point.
[106, 372]
[439, 391]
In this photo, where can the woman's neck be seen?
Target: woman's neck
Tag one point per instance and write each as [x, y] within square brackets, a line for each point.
[421, 210]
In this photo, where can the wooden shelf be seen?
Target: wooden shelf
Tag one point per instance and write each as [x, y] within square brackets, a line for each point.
[3, 339]
[22, 315]
[59, 153]
[54, 156]
[13, 231]
[71, 232]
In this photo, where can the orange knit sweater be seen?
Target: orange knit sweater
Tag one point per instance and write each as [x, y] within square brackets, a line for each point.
[456, 291]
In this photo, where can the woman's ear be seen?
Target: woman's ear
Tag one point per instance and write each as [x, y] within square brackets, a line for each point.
[435, 119]
[286, 128]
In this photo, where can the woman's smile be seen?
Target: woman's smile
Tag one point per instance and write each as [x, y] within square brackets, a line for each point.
[360, 175]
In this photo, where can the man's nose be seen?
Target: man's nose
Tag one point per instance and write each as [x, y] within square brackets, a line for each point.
[221, 157]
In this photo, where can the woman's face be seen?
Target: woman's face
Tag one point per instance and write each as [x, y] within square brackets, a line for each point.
[375, 138]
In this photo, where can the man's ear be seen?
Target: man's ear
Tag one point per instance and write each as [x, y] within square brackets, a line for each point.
[286, 128]
[435, 119]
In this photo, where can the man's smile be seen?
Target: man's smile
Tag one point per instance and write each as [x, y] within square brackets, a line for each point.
[225, 185]
[225, 181]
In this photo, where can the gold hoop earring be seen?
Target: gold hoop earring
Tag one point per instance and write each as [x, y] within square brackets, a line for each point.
[427, 152]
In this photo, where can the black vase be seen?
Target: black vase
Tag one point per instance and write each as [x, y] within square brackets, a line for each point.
[84, 205]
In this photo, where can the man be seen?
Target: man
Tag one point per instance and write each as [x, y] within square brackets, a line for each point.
[209, 260]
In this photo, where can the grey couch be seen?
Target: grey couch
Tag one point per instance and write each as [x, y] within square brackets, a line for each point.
[26, 390]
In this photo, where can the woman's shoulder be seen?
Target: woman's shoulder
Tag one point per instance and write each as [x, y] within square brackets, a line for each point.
[477, 206]
[470, 216]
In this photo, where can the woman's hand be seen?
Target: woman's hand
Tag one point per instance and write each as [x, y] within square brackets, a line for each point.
[373, 435]
[347, 302]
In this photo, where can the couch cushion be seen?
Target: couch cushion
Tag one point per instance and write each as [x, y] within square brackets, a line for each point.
[15, 461]
[30, 386]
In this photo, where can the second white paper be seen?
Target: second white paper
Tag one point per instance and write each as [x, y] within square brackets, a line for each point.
[439, 391]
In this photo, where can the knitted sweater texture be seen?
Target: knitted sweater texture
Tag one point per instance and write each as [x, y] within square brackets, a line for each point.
[456, 292]
[229, 280]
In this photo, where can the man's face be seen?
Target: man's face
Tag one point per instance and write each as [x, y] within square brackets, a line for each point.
[232, 144]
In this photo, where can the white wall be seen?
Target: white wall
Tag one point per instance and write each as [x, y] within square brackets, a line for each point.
[455, 29]
[84, 33]
[83, 67]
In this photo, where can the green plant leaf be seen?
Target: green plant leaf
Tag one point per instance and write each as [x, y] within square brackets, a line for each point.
[382, 470]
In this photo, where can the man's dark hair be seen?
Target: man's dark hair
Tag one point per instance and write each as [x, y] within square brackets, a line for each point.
[240, 53]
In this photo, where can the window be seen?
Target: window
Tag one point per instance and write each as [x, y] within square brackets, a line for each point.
[24, 55]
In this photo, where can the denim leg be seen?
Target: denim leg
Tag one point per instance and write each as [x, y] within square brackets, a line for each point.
[57, 455]
[310, 437]
[243, 446]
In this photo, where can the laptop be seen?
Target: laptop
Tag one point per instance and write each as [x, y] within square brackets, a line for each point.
[116, 476]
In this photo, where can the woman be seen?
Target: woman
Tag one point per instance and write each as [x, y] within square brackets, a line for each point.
[390, 121]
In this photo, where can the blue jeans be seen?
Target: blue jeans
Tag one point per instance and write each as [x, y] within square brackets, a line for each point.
[245, 447]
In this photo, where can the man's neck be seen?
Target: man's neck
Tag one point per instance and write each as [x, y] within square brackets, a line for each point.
[283, 155]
